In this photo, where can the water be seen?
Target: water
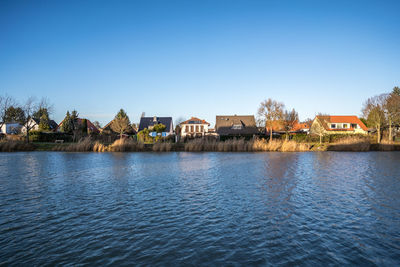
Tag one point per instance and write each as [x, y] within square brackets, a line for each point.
[200, 208]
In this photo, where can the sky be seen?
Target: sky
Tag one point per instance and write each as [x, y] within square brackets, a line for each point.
[198, 58]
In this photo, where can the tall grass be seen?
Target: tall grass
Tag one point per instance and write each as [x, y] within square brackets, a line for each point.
[240, 145]
[162, 147]
[12, 146]
[351, 143]
[87, 145]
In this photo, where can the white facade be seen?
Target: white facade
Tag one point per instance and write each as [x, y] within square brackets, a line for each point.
[33, 126]
[11, 128]
[194, 127]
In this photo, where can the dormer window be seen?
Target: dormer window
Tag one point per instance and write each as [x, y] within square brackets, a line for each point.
[237, 127]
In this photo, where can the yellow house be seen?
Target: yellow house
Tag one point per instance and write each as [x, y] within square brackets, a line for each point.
[338, 125]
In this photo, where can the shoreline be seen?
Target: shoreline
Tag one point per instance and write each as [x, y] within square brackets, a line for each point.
[246, 146]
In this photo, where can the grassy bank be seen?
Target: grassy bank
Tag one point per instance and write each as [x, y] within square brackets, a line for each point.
[199, 145]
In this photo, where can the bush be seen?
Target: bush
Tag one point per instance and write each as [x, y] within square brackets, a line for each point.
[51, 137]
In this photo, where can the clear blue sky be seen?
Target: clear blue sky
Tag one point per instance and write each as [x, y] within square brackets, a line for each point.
[199, 58]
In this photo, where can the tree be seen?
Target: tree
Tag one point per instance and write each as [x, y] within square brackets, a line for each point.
[290, 118]
[121, 123]
[67, 124]
[373, 110]
[29, 108]
[5, 103]
[76, 127]
[317, 128]
[84, 127]
[159, 128]
[44, 123]
[270, 112]
[144, 135]
[392, 110]
[14, 114]
[396, 90]
[97, 124]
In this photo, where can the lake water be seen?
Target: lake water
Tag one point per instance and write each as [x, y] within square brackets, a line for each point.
[200, 208]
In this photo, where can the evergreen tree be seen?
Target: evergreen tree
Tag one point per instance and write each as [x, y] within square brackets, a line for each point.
[67, 125]
[84, 127]
[396, 91]
[44, 123]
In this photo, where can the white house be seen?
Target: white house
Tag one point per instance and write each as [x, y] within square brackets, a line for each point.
[11, 128]
[194, 127]
[34, 125]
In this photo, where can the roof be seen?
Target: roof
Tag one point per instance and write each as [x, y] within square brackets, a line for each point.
[108, 127]
[53, 125]
[194, 120]
[90, 125]
[341, 119]
[146, 122]
[235, 125]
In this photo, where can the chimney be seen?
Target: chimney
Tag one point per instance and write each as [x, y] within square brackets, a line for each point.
[155, 119]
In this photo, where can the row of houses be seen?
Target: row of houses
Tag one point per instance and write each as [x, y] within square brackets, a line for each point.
[225, 126]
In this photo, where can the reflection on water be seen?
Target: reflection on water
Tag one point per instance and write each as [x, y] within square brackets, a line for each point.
[200, 208]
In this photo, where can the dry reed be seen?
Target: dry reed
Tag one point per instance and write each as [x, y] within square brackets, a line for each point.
[11, 146]
[351, 143]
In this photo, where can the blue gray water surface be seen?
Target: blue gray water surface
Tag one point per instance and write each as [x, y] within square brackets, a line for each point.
[200, 209]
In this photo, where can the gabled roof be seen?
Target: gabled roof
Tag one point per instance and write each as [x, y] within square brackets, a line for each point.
[244, 125]
[194, 120]
[340, 119]
[53, 125]
[146, 122]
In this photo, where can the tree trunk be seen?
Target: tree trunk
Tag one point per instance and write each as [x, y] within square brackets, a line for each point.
[379, 134]
[320, 139]
[27, 135]
[120, 135]
[287, 137]
[390, 130]
[270, 135]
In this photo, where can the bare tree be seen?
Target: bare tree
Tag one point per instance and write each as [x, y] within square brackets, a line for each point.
[29, 108]
[290, 118]
[392, 110]
[270, 112]
[121, 123]
[5, 103]
[374, 111]
[317, 128]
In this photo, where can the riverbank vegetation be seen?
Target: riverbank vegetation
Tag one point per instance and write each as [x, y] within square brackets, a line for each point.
[347, 143]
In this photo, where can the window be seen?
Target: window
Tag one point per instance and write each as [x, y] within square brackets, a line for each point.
[201, 128]
[187, 128]
[197, 128]
[344, 125]
[237, 127]
[333, 126]
[354, 125]
[191, 129]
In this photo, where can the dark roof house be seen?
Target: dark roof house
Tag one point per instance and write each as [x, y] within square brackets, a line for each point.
[90, 126]
[236, 125]
[149, 122]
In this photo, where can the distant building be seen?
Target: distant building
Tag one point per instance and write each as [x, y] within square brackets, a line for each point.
[11, 128]
[236, 126]
[338, 125]
[34, 125]
[194, 127]
[90, 126]
[149, 122]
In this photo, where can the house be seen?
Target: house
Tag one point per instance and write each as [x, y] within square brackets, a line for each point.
[107, 129]
[90, 126]
[149, 122]
[11, 128]
[194, 127]
[34, 125]
[236, 126]
[338, 125]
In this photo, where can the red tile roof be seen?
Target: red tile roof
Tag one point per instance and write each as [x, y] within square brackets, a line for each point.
[195, 119]
[342, 119]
